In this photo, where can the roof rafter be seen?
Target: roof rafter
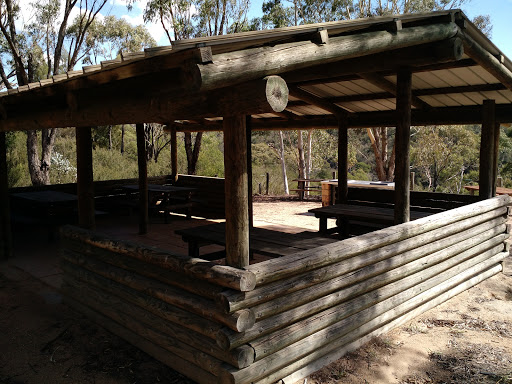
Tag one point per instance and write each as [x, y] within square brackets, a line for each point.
[390, 87]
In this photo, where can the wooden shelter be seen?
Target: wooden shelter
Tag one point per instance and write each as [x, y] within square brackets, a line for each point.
[283, 318]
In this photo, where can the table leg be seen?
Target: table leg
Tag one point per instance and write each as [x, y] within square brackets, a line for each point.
[193, 249]
[323, 225]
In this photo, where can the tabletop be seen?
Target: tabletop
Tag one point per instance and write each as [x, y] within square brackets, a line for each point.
[46, 197]
[160, 188]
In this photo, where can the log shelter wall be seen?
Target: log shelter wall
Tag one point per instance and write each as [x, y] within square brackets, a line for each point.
[284, 318]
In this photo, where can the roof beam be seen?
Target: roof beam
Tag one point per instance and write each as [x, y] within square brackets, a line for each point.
[483, 57]
[99, 108]
[434, 116]
[390, 87]
[237, 67]
[318, 101]
[439, 53]
[418, 93]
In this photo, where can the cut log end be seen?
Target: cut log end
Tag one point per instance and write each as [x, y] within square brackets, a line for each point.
[244, 355]
[245, 319]
[247, 282]
[277, 93]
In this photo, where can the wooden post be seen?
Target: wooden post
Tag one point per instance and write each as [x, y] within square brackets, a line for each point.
[268, 182]
[342, 160]
[248, 121]
[143, 180]
[411, 186]
[5, 221]
[237, 211]
[486, 183]
[84, 180]
[402, 138]
[174, 154]
[497, 127]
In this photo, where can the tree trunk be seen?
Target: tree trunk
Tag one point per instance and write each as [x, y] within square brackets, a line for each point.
[192, 150]
[302, 162]
[283, 164]
[39, 168]
[309, 163]
[122, 139]
[384, 165]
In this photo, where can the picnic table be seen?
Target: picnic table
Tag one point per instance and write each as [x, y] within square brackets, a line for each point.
[47, 202]
[167, 198]
[372, 216]
[261, 241]
[499, 190]
[53, 208]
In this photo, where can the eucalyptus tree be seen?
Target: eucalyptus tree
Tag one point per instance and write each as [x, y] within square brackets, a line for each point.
[184, 19]
[39, 50]
[443, 154]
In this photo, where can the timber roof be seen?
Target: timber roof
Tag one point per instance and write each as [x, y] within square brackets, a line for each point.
[334, 68]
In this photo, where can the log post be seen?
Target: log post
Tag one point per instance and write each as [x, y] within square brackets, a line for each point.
[143, 180]
[236, 185]
[342, 160]
[487, 141]
[248, 124]
[497, 127]
[84, 180]
[174, 154]
[5, 221]
[403, 133]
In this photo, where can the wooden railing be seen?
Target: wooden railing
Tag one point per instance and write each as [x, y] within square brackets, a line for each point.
[283, 318]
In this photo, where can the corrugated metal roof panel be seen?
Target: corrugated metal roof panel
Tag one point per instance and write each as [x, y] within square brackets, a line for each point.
[484, 75]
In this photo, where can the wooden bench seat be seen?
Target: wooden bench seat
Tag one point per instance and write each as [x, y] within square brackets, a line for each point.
[346, 214]
[262, 241]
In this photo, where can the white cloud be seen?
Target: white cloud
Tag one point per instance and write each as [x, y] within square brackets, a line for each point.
[155, 29]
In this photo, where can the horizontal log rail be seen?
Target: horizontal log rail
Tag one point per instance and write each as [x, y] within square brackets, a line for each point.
[175, 338]
[378, 326]
[231, 300]
[193, 371]
[195, 268]
[344, 332]
[366, 279]
[238, 321]
[166, 311]
[403, 289]
[276, 269]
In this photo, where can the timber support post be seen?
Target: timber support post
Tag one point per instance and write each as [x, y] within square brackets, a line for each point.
[5, 223]
[143, 180]
[402, 139]
[342, 160]
[248, 128]
[84, 180]
[487, 186]
[236, 186]
[174, 154]
[497, 128]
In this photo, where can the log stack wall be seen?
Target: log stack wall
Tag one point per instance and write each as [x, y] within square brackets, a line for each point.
[312, 307]
[284, 318]
[163, 303]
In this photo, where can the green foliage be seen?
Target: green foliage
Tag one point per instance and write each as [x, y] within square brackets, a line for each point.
[443, 155]
[17, 174]
[211, 157]
[107, 38]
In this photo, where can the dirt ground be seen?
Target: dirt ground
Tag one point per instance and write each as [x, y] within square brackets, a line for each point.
[465, 340]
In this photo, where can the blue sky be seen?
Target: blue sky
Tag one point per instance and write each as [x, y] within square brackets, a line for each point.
[500, 12]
